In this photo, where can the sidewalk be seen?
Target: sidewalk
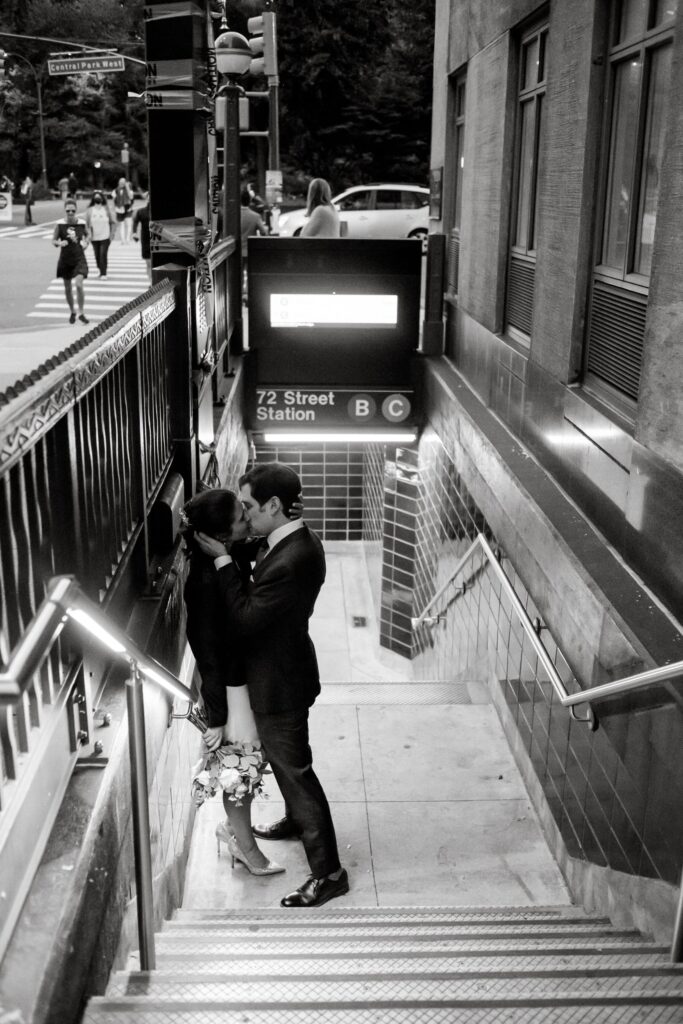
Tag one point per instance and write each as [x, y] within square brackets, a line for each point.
[24, 349]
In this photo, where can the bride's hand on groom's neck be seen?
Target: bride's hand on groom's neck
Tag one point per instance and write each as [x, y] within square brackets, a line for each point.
[211, 546]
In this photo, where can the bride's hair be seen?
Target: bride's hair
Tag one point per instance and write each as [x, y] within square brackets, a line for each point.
[211, 512]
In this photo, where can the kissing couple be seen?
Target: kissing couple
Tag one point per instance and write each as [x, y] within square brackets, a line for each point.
[248, 608]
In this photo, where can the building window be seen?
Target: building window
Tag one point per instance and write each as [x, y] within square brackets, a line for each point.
[456, 177]
[639, 70]
[519, 298]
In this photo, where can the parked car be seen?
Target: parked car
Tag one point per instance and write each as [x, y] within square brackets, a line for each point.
[373, 211]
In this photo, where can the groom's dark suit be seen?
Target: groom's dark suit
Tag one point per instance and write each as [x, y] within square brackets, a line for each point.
[271, 618]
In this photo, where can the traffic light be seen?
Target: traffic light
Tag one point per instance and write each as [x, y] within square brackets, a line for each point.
[263, 41]
[3, 57]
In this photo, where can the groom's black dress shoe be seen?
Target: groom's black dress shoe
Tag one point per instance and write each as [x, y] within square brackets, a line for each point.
[316, 891]
[282, 829]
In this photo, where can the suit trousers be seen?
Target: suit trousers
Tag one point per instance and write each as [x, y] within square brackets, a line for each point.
[285, 744]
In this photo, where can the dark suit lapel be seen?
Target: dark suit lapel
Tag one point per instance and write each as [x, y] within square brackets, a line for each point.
[280, 550]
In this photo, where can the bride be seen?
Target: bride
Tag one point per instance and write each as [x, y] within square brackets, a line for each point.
[230, 720]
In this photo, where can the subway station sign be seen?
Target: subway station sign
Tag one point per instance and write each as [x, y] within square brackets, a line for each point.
[328, 407]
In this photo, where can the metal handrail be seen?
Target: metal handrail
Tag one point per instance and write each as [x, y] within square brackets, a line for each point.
[480, 542]
[566, 699]
[65, 600]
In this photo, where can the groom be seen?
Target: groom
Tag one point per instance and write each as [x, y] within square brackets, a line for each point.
[271, 618]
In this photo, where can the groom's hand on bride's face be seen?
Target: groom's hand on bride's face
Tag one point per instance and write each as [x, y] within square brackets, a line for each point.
[211, 545]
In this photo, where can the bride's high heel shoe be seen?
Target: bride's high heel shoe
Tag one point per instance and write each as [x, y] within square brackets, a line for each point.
[237, 853]
[223, 834]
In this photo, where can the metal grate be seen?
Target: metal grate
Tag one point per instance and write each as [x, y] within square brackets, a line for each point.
[519, 300]
[615, 337]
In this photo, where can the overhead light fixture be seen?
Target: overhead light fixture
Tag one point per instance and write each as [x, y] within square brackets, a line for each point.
[344, 437]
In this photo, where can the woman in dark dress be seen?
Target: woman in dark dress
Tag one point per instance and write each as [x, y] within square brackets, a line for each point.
[218, 655]
[71, 237]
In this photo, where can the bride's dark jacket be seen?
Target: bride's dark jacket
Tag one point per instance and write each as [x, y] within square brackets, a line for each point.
[218, 654]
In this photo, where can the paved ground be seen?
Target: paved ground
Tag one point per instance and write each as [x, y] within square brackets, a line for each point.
[33, 311]
[429, 807]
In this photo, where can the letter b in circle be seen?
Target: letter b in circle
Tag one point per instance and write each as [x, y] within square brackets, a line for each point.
[361, 408]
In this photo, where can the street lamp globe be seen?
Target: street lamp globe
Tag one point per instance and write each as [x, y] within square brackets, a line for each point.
[233, 55]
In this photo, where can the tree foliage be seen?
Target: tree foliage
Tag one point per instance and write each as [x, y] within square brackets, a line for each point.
[355, 89]
[85, 118]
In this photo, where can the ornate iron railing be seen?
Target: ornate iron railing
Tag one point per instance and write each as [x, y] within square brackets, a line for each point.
[85, 444]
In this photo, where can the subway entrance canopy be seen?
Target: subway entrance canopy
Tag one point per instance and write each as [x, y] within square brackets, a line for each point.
[333, 328]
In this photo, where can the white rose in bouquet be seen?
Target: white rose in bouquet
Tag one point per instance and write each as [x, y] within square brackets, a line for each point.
[229, 779]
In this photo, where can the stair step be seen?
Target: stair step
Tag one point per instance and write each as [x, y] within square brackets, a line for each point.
[296, 988]
[536, 1011]
[580, 965]
[418, 930]
[376, 915]
[330, 945]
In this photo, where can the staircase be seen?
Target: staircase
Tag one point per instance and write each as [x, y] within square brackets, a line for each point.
[396, 966]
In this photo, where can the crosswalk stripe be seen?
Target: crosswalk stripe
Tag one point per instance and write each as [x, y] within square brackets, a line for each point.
[126, 280]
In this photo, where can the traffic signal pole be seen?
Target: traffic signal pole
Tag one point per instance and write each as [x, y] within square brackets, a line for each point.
[273, 122]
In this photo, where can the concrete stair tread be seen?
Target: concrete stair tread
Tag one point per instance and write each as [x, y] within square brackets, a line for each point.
[395, 989]
[286, 967]
[416, 930]
[549, 1010]
[374, 914]
[305, 945]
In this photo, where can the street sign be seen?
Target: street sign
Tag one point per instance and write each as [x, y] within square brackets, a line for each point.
[85, 65]
[5, 206]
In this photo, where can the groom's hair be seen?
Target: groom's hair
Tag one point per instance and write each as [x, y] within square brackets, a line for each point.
[273, 480]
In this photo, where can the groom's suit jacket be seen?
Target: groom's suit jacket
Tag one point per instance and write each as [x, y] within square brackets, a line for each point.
[270, 616]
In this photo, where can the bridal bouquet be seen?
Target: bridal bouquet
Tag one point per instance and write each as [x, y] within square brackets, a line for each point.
[236, 769]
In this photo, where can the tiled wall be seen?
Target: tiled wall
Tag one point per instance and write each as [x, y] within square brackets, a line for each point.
[615, 794]
[332, 481]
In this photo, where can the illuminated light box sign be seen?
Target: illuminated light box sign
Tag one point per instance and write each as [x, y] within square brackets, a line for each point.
[315, 310]
[328, 408]
[342, 312]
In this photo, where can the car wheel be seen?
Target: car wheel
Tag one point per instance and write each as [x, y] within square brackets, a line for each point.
[422, 235]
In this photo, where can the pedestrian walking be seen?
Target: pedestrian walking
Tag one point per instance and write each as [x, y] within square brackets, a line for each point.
[72, 185]
[71, 238]
[101, 225]
[63, 186]
[141, 231]
[123, 208]
[27, 193]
